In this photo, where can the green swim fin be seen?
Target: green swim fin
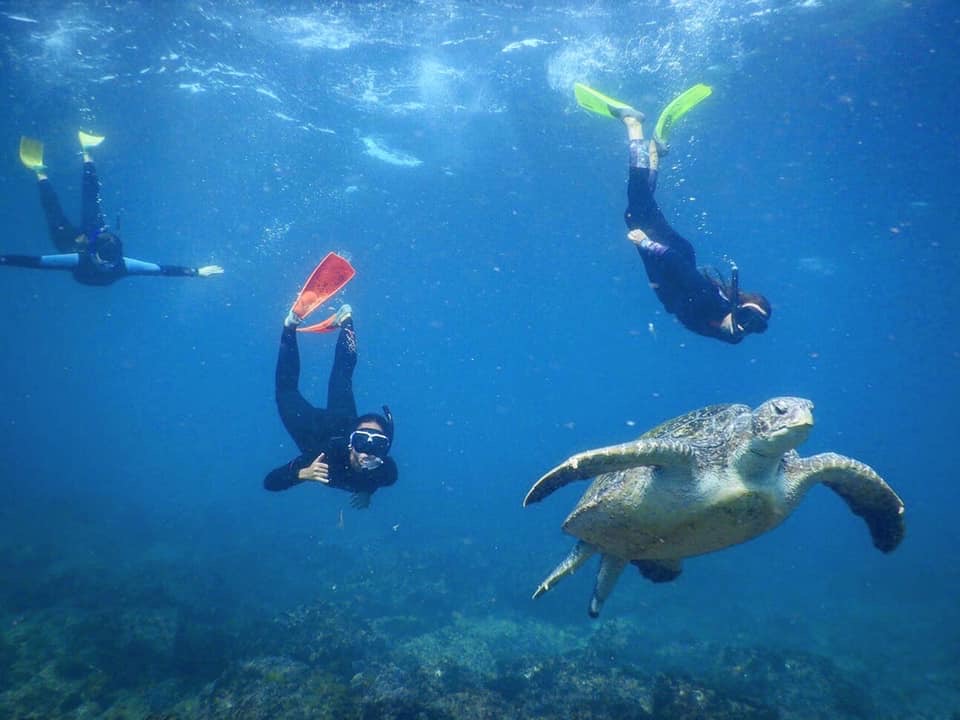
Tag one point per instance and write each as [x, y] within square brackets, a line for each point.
[678, 107]
[31, 153]
[88, 141]
[595, 101]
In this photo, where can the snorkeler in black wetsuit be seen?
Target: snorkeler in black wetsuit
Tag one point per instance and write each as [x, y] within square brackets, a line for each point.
[704, 304]
[337, 447]
[92, 253]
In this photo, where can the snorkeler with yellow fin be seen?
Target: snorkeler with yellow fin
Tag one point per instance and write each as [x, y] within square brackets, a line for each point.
[89, 250]
[700, 299]
[601, 104]
[327, 279]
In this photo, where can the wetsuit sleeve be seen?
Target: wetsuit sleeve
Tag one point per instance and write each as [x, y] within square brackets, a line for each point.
[285, 476]
[68, 261]
[140, 267]
[340, 398]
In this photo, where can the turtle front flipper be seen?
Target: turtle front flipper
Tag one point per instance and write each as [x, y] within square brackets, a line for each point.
[864, 491]
[610, 459]
[581, 552]
[610, 569]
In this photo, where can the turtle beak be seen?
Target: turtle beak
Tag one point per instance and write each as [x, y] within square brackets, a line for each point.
[803, 415]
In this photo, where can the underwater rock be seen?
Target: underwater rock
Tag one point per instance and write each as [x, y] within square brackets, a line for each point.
[8, 656]
[324, 635]
[388, 692]
[802, 686]
[680, 698]
[275, 688]
[572, 686]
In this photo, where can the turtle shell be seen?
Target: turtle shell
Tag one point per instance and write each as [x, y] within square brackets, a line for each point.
[705, 427]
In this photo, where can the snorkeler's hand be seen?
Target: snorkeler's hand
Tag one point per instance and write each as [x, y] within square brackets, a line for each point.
[360, 500]
[727, 324]
[208, 270]
[317, 471]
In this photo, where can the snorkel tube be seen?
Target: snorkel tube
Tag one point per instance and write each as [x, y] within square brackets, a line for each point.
[734, 288]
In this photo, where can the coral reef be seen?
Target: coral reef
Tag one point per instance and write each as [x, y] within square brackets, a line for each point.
[383, 642]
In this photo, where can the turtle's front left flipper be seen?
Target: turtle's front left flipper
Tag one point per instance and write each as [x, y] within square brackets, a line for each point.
[610, 459]
[864, 491]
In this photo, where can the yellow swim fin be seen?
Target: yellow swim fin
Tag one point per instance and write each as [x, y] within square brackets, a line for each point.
[678, 107]
[596, 101]
[88, 141]
[31, 153]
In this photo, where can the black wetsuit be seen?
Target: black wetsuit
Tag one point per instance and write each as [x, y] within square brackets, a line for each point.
[698, 301]
[323, 430]
[78, 246]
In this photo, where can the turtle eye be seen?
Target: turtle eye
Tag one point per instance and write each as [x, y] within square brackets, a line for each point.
[780, 408]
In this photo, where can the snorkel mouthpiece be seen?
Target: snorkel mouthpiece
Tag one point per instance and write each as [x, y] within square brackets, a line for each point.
[370, 462]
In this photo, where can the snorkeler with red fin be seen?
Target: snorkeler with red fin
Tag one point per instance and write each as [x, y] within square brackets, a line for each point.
[339, 447]
[327, 279]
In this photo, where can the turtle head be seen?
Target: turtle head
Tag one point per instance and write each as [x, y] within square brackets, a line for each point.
[781, 424]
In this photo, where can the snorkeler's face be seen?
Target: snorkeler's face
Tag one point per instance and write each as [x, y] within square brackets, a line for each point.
[751, 318]
[108, 248]
[369, 444]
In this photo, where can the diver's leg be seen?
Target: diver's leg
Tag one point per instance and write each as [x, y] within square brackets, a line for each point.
[62, 232]
[92, 219]
[340, 386]
[642, 210]
[649, 229]
[295, 412]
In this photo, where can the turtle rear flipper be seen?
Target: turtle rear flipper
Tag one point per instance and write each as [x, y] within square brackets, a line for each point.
[610, 569]
[610, 459]
[580, 553]
[864, 491]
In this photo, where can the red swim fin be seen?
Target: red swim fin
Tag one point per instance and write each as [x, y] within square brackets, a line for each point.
[326, 280]
[327, 325]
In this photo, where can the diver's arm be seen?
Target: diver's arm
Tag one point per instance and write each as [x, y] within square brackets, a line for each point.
[67, 261]
[140, 267]
[286, 476]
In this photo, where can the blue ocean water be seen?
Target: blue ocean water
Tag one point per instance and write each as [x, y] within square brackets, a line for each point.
[500, 313]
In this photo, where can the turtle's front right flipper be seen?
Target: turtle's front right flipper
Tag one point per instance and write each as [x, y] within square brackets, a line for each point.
[864, 491]
[610, 459]
[327, 279]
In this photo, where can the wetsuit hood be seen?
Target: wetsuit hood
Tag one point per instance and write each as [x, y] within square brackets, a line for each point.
[108, 248]
[753, 312]
[385, 421]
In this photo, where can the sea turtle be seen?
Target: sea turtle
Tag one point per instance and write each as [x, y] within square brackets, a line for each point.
[701, 482]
